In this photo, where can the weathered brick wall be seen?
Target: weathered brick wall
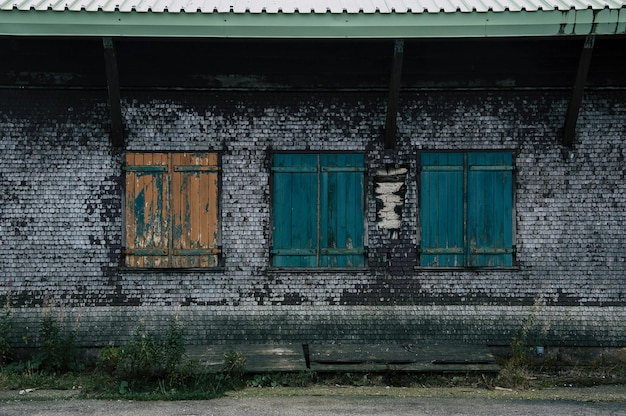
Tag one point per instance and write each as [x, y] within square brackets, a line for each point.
[61, 225]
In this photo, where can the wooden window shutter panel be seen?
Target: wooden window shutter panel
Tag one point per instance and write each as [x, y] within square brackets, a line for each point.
[490, 198]
[194, 210]
[341, 210]
[442, 210]
[146, 210]
[295, 241]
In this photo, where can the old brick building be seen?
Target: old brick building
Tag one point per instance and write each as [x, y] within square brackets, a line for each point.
[301, 175]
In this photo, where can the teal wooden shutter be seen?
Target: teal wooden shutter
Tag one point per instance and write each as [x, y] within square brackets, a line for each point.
[341, 210]
[489, 209]
[442, 210]
[318, 210]
[295, 210]
[466, 209]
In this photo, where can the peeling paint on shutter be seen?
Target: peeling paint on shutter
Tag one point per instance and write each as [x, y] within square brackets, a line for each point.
[171, 210]
[194, 210]
[147, 219]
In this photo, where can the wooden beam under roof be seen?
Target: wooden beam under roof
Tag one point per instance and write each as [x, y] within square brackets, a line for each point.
[569, 128]
[394, 95]
[113, 86]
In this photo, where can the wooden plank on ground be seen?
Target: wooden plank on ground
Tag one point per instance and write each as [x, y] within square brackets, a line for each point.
[407, 358]
[442, 358]
[259, 358]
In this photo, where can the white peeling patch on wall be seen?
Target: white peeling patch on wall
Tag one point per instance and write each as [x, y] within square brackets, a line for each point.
[390, 189]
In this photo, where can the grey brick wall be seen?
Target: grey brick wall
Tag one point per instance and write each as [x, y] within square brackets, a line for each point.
[61, 218]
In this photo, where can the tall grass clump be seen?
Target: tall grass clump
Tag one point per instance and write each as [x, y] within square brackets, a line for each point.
[516, 372]
[146, 356]
[154, 366]
[59, 352]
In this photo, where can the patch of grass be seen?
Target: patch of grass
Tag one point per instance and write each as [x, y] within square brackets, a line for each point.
[17, 380]
[146, 356]
[197, 386]
[197, 383]
[153, 367]
[234, 368]
[514, 376]
[403, 379]
[58, 349]
[579, 376]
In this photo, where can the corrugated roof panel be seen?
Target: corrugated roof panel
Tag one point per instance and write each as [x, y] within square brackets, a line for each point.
[310, 6]
[38, 5]
[532, 5]
[353, 5]
[397, 6]
[425, 6]
[70, 4]
[312, 18]
[341, 6]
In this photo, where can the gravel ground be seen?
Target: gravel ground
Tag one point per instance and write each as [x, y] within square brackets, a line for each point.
[327, 401]
[608, 393]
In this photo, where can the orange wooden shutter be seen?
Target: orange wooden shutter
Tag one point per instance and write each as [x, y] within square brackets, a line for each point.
[171, 210]
[194, 210]
[147, 219]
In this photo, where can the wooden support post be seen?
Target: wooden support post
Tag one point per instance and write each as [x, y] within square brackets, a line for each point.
[113, 85]
[394, 95]
[569, 129]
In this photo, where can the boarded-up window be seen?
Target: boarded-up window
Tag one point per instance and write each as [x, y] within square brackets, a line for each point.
[318, 210]
[171, 210]
[466, 209]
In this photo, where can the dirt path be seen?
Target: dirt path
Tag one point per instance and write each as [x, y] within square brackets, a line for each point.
[351, 401]
[608, 393]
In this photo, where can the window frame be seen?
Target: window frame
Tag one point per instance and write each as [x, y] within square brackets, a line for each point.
[213, 251]
[514, 265]
[320, 251]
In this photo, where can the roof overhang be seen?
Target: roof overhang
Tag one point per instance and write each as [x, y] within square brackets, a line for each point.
[50, 22]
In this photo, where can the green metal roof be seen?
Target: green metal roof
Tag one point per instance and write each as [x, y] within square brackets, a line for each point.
[312, 19]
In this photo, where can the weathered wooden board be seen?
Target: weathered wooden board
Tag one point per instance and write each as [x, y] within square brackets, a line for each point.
[407, 357]
[259, 358]
[352, 357]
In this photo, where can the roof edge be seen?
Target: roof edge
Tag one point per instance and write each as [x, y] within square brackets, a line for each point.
[328, 25]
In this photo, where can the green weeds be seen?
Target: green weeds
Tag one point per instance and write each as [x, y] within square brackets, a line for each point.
[295, 379]
[59, 352]
[145, 356]
[152, 365]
